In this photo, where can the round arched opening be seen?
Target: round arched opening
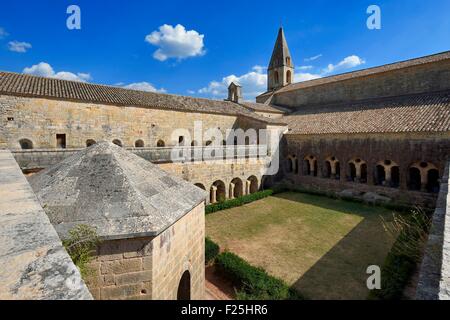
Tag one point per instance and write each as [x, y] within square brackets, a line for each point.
[253, 184]
[90, 142]
[139, 144]
[117, 142]
[184, 288]
[217, 193]
[237, 190]
[26, 144]
[160, 144]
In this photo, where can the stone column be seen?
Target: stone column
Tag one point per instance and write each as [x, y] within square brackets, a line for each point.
[311, 167]
[358, 172]
[247, 186]
[370, 173]
[423, 180]
[388, 176]
[213, 194]
[232, 185]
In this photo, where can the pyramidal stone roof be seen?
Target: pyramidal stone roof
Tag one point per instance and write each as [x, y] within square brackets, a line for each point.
[280, 52]
[117, 192]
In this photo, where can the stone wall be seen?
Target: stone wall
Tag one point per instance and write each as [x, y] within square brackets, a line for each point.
[40, 120]
[402, 149]
[434, 278]
[151, 268]
[33, 262]
[428, 77]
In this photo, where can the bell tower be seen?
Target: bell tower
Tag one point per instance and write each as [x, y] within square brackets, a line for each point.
[281, 69]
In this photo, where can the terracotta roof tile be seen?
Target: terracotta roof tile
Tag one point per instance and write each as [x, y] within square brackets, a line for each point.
[415, 113]
[33, 86]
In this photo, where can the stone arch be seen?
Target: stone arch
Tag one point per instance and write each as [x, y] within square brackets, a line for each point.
[292, 164]
[423, 176]
[310, 166]
[139, 143]
[184, 287]
[160, 144]
[288, 76]
[357, 170]
[117, 142]
[276, 77]
[236, 188]
[387, 173]
[218, 192]
[26, 144]
[252, 185]
[332, 168]
[352, 171]
[90, 142]
[200, 185]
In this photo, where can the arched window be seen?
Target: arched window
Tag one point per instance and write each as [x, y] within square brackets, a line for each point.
[253, 184]
[276, 77]
[201, 186]
[117, 142]
[288, 61]
[184, 288]
[288, 76]
[218, 193]
[237, 190]
[139, 144]
[90, 142]
[160, 144]
[26, 144]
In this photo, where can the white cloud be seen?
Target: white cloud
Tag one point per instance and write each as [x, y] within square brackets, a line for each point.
[143, 86]
[347, 63]
[253, 84]
[313, 58]
[300, 77]
[44, 69]
[20, 47]
[176, 42]
[3, 33]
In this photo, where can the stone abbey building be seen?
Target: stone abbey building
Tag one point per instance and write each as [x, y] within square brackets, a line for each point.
[378, 134]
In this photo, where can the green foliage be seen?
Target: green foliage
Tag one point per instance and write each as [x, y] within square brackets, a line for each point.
[238, 201]
[412, 230]
[254, 283]
[81, 244]
[211, 250]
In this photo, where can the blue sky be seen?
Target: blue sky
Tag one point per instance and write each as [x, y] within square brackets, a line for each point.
[216, 42]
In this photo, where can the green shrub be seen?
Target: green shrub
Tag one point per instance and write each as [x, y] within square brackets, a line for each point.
[238, 201]
[405, 254]
[253, 283]
[81, 244]
[211, 250]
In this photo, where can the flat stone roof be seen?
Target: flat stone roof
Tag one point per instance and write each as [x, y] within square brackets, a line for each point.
[119, 193]
[33, 262]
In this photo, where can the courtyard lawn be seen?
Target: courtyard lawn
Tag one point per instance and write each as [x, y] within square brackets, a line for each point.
[320, 246]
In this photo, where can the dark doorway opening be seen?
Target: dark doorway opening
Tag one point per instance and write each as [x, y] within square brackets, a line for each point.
[61, 141]
[184, 288]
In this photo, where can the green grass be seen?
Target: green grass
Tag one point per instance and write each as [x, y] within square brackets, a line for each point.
[320, 246]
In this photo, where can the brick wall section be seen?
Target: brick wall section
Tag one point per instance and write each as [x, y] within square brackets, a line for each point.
[151, 268]
[416, 79]
[434, 278]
